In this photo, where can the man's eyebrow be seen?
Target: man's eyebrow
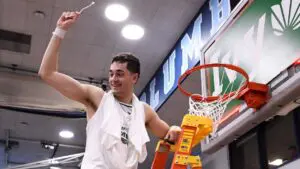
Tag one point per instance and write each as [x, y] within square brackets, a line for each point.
[119, 71]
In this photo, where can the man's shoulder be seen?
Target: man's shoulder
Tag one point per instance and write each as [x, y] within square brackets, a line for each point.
[93, 87]
[147, 107]
[149, 111]
[95, 94]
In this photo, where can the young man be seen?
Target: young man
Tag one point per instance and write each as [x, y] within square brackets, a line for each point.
[117, 120]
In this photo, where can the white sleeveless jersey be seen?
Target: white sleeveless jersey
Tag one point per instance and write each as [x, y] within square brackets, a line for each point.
[105, 151]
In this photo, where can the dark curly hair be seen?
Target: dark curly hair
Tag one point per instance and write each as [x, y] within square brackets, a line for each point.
[133, 63]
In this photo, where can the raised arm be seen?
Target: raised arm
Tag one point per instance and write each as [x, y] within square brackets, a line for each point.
[69, 87]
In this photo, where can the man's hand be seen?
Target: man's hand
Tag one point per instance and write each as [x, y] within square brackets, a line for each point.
[173, 134]
[67, 19]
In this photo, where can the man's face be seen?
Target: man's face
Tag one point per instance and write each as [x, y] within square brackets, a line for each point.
[121, 80]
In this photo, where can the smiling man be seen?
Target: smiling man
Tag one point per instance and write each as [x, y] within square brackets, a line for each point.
[117, 120]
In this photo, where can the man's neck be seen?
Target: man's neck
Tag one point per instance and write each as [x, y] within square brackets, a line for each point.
[125, 99]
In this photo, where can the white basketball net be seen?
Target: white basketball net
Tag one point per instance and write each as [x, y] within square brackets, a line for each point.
[215, 109]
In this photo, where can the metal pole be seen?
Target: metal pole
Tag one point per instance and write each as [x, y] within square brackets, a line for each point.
[39, 141]
[6, 149]
[44, 163]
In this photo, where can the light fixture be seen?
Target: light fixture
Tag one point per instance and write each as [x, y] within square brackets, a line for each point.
[297, 101]
[48, 145]
[133, 32]
[276, 162]
[116, 12]
[39, 14]
[66, 134]
[54, 167]
[51, 147]
[24, 123]
[52, 161]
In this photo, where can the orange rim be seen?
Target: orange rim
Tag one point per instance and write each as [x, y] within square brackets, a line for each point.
[212, 98]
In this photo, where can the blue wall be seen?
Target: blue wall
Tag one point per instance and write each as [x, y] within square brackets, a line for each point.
[187, 51]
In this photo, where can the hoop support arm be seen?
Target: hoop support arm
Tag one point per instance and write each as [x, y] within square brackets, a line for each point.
[255, 95]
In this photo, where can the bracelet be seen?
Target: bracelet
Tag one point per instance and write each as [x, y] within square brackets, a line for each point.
[58, 32]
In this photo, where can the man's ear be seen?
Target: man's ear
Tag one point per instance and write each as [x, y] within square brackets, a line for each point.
[135, 77]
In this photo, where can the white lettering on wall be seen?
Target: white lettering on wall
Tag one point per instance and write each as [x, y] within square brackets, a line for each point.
[169, 73]
[154, 95]
[220, 11]
[191, 48]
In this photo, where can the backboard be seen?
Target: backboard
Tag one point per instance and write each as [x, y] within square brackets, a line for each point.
[263, 40]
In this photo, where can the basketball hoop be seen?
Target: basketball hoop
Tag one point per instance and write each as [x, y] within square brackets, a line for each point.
[206, 112]
[212, 106]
